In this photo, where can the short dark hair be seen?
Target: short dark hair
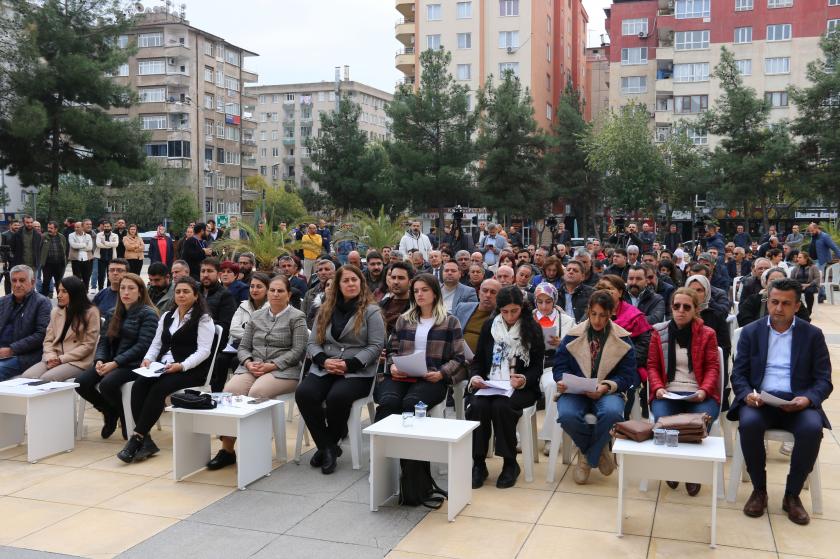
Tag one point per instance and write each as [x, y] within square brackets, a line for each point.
[701, 268]
[577, 264]
[635, 267]
[603, 299]
[648, 253]
[157, 269]
[122, 261]
[198, 227]
[402, 265]
[620, 251]
[773, 252]
[787, 284]
[212, 263]
[373, 254]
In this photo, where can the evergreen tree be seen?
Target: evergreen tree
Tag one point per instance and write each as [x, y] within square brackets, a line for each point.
[512, 174]
[54, 121]
[146, 203]
[687, 171]
[432, 147]
[76, 197]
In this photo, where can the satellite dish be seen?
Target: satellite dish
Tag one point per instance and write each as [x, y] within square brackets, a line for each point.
[138, 7]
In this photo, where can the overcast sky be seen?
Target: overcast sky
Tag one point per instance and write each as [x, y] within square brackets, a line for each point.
[303, 40]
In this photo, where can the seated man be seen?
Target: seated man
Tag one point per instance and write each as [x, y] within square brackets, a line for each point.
[787, 358]
[161, 290]
[24, 317]
[106, 299]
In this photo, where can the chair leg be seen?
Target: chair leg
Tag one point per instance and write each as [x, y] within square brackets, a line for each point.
[816, 489]
[554, 450]
[125, 390]
[534, 441]
[371, 407]
[80, 418]
[735, 469]
[726, 430]
[721, 493]
[526, 440]
[278, 414]
[299, 439]
[354, 430]
[567, 445]
[291, 415]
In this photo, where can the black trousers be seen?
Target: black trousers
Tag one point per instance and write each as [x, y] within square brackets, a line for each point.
[327, 424]
[148, 395]
[134, 266]
[51, 273]
[807, 429]
[499, 415]
[394, 396]
[102, 272]
[220, 370]
[82, 271]
[104, 393]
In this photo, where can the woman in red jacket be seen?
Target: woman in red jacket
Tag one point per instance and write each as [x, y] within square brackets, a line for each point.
[683, 363]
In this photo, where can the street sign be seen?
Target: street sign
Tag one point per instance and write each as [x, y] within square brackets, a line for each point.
[221, 220]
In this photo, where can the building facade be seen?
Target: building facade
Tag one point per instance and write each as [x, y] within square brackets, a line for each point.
[289, 114]
[662, 53]
[597, 82]
[193, 102]
[541, 41]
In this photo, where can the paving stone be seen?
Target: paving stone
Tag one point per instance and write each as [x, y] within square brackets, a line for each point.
[290, 547]
[18, 553]
[194, 540]
[260, 510]
[305, 480]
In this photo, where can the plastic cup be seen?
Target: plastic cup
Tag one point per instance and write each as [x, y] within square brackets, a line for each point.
[407, 419]
[672, 437]
[420, 411]
[659, 436]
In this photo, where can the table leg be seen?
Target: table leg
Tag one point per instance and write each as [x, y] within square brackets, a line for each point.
[50, 422]
[190, 451]
[460, 476]
[12, 429]
[381, 484]
[620, 493]
[253, 459]
[715, 482]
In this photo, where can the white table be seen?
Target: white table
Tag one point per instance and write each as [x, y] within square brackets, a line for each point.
[438, 440]
[688, 462]
[47, 416]
[249, 423]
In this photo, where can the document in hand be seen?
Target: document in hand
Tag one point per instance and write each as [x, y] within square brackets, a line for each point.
[673, 396]
[413, 365]
[154, 370]
[548, 333]
[773, 401]
[496, 388]
[468, 354]
[579, 385]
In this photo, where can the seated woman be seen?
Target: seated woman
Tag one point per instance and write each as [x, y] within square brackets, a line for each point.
[127, 334]
[183, 343]
[270, 354]
[228, 274]
[346, 340]
[552, 273]
[510, 347]
[425, 327]
[476, 276]
[683, 359]
[596, 348]
[754, 307]
[71, 335]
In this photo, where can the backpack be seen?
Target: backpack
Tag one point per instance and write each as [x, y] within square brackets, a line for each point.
[417, 487]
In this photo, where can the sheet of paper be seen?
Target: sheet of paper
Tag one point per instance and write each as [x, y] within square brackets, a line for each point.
[18, 381]
[468, 354]
[771, 400]
[549, 333]
[579, 385]
[413, 365]
[19, 389]
[51, 386]
[229, 349]
[154, 370]
[674, 396]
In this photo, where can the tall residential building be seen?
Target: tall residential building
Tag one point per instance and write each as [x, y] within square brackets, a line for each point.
[289, 114]
[662, 52]
[542, 41]
[193, 102]
[597, 81]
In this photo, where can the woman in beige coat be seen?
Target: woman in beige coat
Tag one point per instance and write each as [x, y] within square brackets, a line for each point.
[71, 335]
[133, 244]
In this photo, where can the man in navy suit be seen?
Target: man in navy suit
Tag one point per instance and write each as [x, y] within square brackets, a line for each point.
[787, 358]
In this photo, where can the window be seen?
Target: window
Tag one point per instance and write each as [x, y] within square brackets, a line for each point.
[509, 66]
[263, 152]
[275, 152]
[776, 99]
[305, 131]
[220, 78]
[220, 129]
[156, 150]
[263, 135]
[743, 5]
[464, 10]
[549, 111]
[633, 84]
[692, 8]
[743, 35]
[179, 148]
[275, 98]
[548, 52]
[434, 12]
[779, 3]
[208, 74]
[634, 26]
[209, 101]
[122, 71]
[464, 72]
[779, 32]
[122, 41]
[694, 72]
[833, 26]
[687, 104]
[433, 42]
[231, 83]
[151, 66]
[548, 25]
[153, 122]
[777, 65]
[209, 125]
[691, 40]
[208, 48]
[152, 94]
[636, 55]
[744, 66]
[698, 136]
[508, 39]
[232, 157]
[290, 97]
[150, 40]
[663, 133]
[232, 57]
[464, 40]
[834, 2]
[508, 8]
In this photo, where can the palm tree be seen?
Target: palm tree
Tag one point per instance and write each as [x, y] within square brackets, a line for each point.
[266, 245]
[377, 231]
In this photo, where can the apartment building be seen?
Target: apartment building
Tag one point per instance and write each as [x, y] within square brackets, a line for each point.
[597, 82]
[289, 114]
[193, 102]
[541, 41]
[662, 53]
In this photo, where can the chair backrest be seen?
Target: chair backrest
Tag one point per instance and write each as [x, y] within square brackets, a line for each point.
[832, 274]
[737, 284]
[735, 337]
[217, 340]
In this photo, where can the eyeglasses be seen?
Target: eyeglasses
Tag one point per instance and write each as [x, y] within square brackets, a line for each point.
[682, 306]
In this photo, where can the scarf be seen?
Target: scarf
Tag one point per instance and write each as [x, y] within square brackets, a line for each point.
[343, 312]
[702, 280]
[507, 346]
[596, 347]
[681, 336]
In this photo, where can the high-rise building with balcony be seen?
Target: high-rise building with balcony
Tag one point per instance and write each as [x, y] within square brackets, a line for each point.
[289, 114]
[597, 81]
[193, 102]
[663, 52]
[541, 41]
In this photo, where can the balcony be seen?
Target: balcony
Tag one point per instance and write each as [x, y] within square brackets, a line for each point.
[177, 79]
[249, 163]
[178, 163]
[249, 76]
[665, 53]
[306, 119]
[289, 159]
[405, 60]
[406, 8]
[404, 30]
[288, 141]
[249, 142]
[248, 194]
[664, 84]
[665, 8]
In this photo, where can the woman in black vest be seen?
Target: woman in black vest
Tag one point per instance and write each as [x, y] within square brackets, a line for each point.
[183, 342]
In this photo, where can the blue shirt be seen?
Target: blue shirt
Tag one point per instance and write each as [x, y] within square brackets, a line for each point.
[106, 300]
[777, 373]
[570, 307]
[491, 257]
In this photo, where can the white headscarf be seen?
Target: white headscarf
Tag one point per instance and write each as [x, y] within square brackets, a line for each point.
[679, 257]
[704, 281]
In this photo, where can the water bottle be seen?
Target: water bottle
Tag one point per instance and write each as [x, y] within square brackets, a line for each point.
[420, 411]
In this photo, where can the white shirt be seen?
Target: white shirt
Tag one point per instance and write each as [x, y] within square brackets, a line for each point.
[422, 333]
[206, 331]
[448, 296]
[777, 372]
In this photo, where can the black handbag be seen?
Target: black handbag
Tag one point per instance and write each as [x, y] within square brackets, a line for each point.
[193, 400]
[417, 487]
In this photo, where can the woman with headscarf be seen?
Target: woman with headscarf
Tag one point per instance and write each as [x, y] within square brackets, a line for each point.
[712, 317]
[679, 259]
[754, 307]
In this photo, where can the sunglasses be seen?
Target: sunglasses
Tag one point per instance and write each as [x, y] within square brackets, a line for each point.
[682, 306]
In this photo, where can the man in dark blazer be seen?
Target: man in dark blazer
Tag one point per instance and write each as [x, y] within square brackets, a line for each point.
[454, 292]
[162, 241]
[787, 358]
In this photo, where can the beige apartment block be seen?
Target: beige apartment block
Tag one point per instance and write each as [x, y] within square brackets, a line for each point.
[193, 102]
[598, 82]
[289, 114]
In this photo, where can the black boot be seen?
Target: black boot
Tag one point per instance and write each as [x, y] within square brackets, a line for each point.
[329, 459]
[479, 474]
[223, 458]
[129, 451]
[110, 424]
[510, 471]
[148, 449]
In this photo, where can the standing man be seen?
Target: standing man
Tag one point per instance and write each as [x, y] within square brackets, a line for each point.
[673, 239]
[87, 226]
[326, 235]
[107, 243]
[53, 255]
[478, 234]
[629, 237]
[121, 232]
[195, 250]
[647, 236]
[414, 239]
[561, 236]
[26, 244]
[312, 249]
[212, 232]
[492, 245]
[160, 249]
[454, 292]
[24, 316]
[742, 239]
[81, 253]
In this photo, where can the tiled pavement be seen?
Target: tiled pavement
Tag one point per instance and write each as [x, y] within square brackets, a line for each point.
[86, 503]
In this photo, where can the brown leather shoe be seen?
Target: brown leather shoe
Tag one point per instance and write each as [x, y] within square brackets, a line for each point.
[756, 504]
[792, 505]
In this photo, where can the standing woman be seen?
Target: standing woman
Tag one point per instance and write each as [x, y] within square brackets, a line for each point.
[510, 346]
[127, 334]
[425, 327]
[808, 274]
[133, 244]
[184, 343]
[71, 334]
[347, 338]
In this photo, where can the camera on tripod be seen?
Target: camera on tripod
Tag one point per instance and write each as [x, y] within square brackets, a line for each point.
[457, 215]
[552, 223]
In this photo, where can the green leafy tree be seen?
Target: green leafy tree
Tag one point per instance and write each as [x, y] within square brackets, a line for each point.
[432, 148]
[183, 210]
[280, 205]
[567, 167]
[147, 203]
[377, 230]
[314, 200]
[56, 122]
[76, 198]
[266, 245]
[511, 147]
[687, 171]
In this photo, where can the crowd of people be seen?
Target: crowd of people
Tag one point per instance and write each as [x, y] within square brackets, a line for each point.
[640, 314]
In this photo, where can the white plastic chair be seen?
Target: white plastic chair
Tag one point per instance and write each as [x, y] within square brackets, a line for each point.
[458, 397]
[279, 420]
[558, 439]
[832, 282]
[527, 429]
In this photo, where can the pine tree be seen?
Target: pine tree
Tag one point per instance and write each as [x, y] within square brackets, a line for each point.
[53, 121]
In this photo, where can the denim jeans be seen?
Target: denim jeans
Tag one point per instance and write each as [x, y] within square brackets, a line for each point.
[9, 368]
[663, 407]
[94, 274]
[590, 439]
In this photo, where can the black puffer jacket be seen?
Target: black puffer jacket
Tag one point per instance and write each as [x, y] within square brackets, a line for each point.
[137, 332]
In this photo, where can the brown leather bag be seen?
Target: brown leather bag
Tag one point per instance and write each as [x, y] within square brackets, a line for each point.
[693, 427]
[634, 430]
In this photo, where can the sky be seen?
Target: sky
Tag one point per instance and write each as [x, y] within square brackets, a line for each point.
[304, 40]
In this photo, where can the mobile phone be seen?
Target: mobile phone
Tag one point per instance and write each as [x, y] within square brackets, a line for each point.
[38, 383]
[258, 400]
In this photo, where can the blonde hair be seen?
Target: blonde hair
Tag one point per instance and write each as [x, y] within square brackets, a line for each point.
[412, 315]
